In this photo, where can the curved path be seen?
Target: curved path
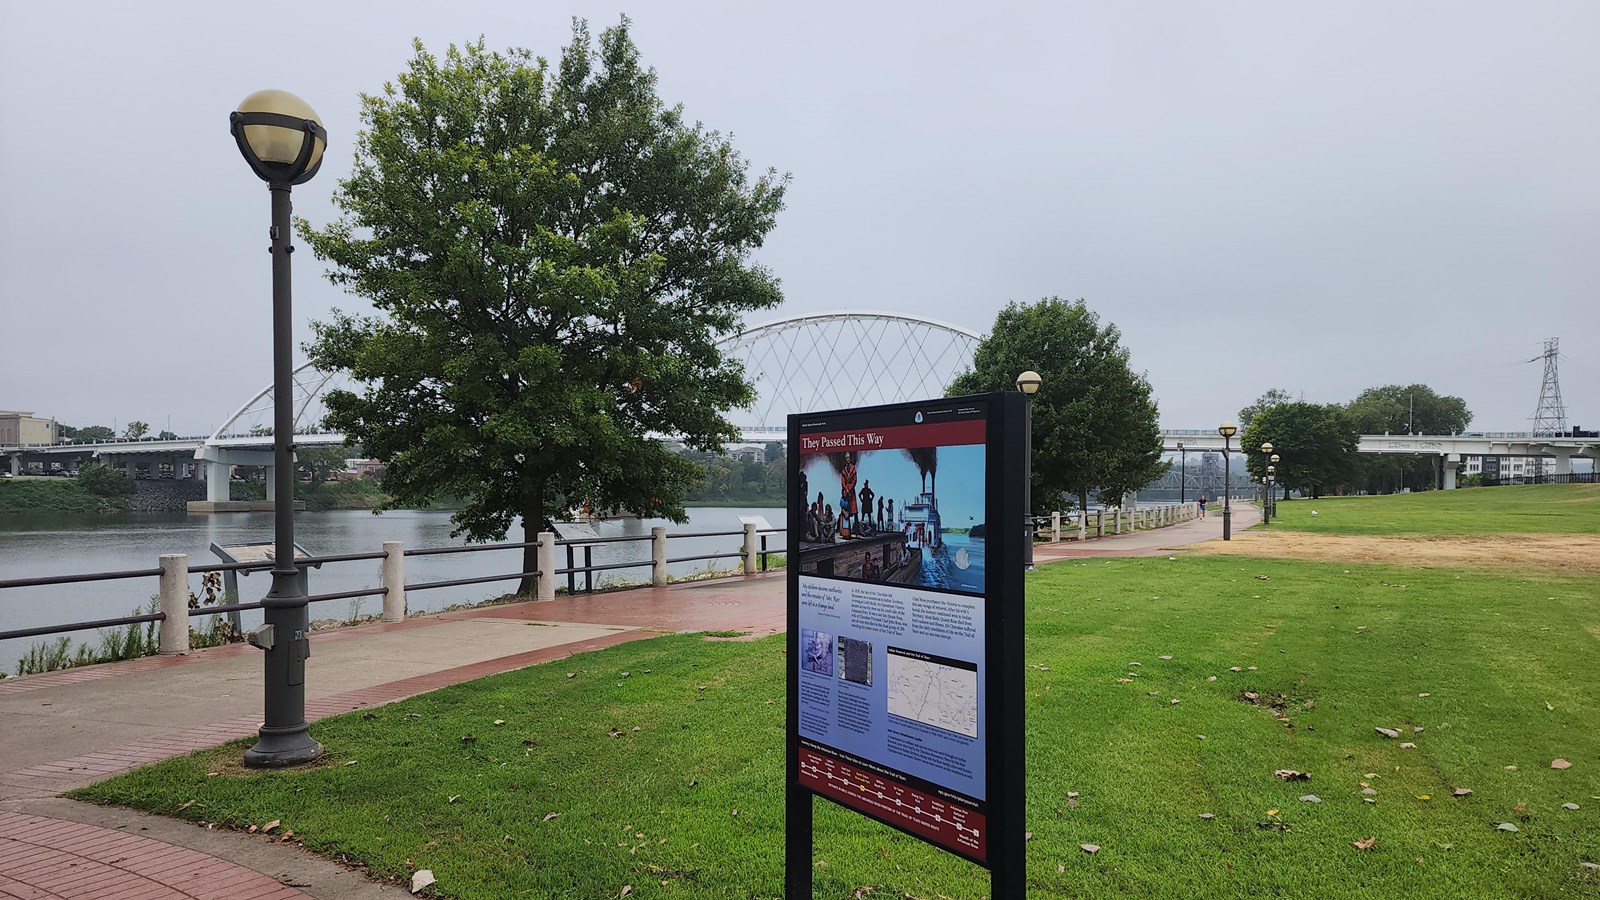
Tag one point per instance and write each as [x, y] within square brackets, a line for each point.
[64, 730]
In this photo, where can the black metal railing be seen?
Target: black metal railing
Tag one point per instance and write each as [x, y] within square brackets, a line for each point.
[1567, 478]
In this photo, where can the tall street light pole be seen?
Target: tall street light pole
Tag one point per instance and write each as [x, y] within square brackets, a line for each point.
[1227, 430]
[1028, 383]
[1183, 475]
[283, 141]
[1273, 500]
[1266, 498]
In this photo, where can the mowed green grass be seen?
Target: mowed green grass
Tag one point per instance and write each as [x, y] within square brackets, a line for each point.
[664, 758]
[1522, 509]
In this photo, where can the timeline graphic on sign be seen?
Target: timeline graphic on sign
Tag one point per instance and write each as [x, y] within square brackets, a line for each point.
[892, 608]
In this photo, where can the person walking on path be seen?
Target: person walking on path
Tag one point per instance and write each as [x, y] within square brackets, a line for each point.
[1202, 506]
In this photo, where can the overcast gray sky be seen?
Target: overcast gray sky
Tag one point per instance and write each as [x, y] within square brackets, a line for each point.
[1318, 197]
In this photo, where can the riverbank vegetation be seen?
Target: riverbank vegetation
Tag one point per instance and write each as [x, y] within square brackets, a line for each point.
[1208, 724]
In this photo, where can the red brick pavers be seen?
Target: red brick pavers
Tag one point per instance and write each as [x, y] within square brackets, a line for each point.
[48, 858]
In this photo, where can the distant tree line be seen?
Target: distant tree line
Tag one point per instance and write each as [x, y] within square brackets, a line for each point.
[1316, 442]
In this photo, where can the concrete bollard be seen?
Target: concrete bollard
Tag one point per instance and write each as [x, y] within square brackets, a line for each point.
[1083, 525]
[1100, 523]
[547, 567]
[1055, 527]
[658, 556]
[752, 561]
[393, 578]
[174, 603]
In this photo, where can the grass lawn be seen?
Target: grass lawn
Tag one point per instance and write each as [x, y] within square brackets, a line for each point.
[663, 759]
[1525, 509]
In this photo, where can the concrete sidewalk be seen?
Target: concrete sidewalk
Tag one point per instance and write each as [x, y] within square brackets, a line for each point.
[64, 730]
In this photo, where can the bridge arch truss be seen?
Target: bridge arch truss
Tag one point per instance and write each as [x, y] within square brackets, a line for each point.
[843, 359]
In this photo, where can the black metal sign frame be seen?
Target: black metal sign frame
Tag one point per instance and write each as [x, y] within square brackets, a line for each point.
[1002, 849]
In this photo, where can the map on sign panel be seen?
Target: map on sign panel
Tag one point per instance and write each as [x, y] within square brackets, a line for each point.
[932, 693]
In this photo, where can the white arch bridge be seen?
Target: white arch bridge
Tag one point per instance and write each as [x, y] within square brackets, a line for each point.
[812, 361]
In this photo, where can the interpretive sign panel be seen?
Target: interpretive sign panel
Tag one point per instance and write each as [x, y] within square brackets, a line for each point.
[905, 603]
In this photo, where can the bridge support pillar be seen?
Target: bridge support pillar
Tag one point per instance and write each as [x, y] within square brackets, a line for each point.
[1448, 464]
[16, 464]
[217, 481]
[1563, 461]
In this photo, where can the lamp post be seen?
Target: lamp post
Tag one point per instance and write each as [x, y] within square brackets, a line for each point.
[1227, 430]
[1273, 500]
[283, 141]
[1028, 383]
[1183, 475]
[1266, 498]
[1271, 472]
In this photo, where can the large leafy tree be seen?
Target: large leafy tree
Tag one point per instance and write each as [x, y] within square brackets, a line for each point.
[1273, 397]
[554, 252]
[1404, 409]
[1316, 445]
[1095, 425]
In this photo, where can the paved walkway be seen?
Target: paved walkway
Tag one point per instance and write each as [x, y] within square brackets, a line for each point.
[63, 730]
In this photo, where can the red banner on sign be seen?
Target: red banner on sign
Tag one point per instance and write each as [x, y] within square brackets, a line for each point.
[950, 825]
[898, 437]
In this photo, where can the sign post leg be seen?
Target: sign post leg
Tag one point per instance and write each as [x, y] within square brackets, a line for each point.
[797, 843]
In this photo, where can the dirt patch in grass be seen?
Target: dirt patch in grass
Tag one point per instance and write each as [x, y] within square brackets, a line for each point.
[1551, 553]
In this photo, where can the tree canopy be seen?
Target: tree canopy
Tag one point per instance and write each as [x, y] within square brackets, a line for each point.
[1095, 425]
[1403, 409]
[553, 252]
[1273, 397]
[1316, 444]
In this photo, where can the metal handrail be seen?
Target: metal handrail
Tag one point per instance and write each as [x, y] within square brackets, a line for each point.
[469, 548]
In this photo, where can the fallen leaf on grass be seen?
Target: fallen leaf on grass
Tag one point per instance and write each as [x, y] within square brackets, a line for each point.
[421, 879]
[1424, 796]
[1292, 775]
[1368, 792]
[1124, 681]
[1408, 746]
[626, 890]
[499, 721]
[1211, 678]
[1364, 843]
[1090, 848]
[1511, 768]
[1506, 826]
[1560, 764]
[1387, 732]
[1166, 657]
[549, 816]
[572, 674]
[1462, 792]
[1235, 669]
[1548, 706]
[1569, 806]
[1310, 798]
[1206, 817]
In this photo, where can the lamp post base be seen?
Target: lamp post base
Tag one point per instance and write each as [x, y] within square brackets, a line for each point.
[1227, 525]
[279, 748]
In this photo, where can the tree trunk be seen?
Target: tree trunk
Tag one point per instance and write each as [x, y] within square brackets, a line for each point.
[1083, 502]
[532, 524]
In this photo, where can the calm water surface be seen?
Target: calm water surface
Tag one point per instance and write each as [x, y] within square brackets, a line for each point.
[61, 544]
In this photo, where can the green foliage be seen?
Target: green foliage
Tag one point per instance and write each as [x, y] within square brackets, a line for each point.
[1095, 425]
[319, 462]
[103, 481]
[127, 642]
[1273, 397]
[92, 434]
[1316, 444]
[136, 430]
[1485, 653]
[553, 254]
[52, 495]
[166, 436]
[1403, 409]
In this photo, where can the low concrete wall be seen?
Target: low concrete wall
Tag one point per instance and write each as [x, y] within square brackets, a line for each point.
[165, 496]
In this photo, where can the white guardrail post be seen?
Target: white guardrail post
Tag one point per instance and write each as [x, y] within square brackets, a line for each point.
[393, 578]
[174, 603]
[658, 556]
[546, 589]
[752, 564]
[1055, 527]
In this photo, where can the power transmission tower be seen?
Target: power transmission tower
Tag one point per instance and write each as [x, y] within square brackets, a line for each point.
[1551, 417]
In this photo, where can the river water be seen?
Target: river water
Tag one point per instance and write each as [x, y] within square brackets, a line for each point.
[34, 546]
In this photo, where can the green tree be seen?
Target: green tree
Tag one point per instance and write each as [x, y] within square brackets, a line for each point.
[166, 436]
[136, 430]
[319, 463]
[1273, 397]
[1094, 422]
[92, 434]
[1404, 409]
[1316, 445]
[554, 253]
[103, 481]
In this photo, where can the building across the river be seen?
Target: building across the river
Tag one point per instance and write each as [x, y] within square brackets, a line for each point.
[24, 428]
